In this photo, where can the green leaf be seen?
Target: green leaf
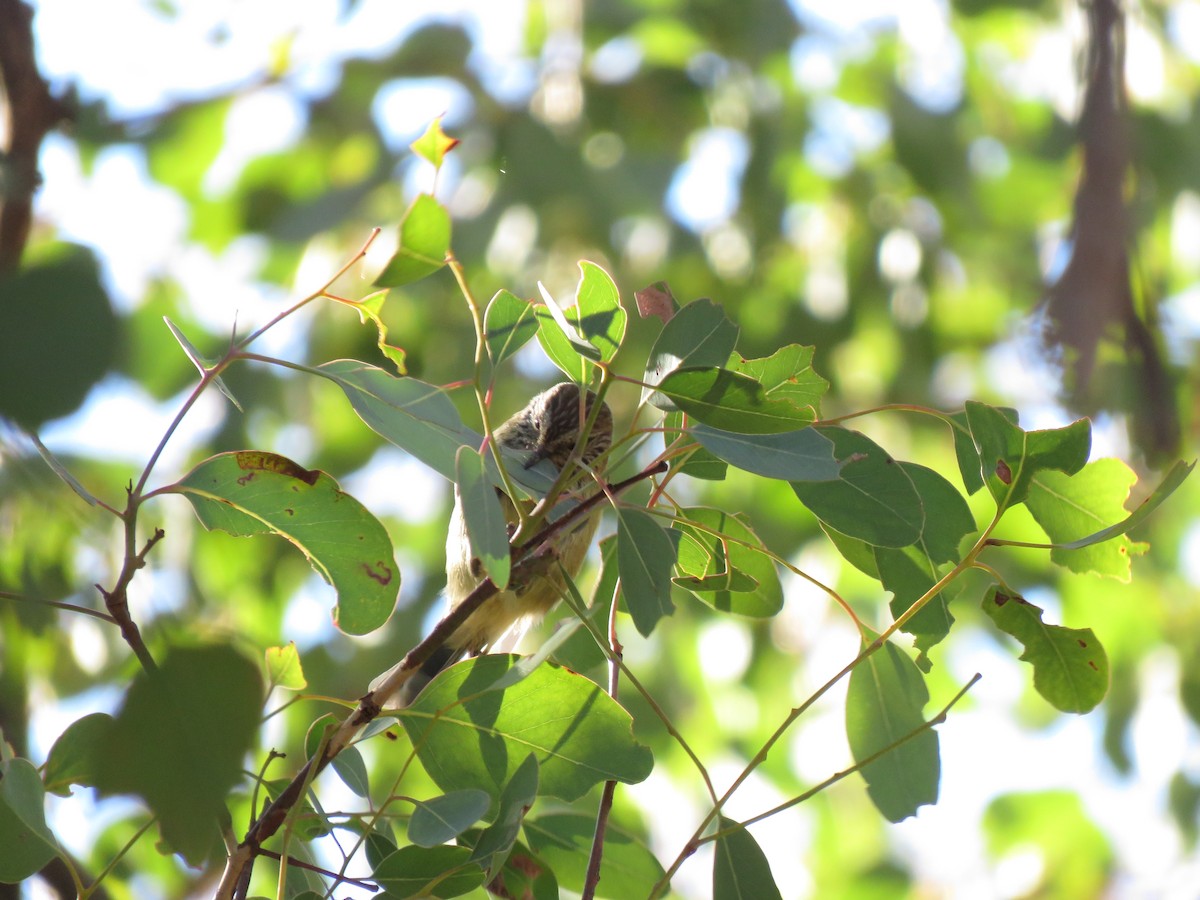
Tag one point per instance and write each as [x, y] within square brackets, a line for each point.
[592, 328]
[497, 839]
[699, 334]
[201, 363]
[733, 402]
[179, 741]
[787, 374]
[527, 876]
[1070, 506]
[424, 243]
[725, 564]
[434, 144]
[645, 555]
[428, 872]
[508, 324]
[28, 843]
[740, 868]
[443, 818]
[873, 499]
[598, 311]
[804, 455]
[284, 669]
[1010, 457]
[251, 492]
[487, 526]
[883, 705]
[1166, 487]
[699, 463]
[348, 764]
[909, 572]
[417, 417]
[563, 840]
[370, 309]
[468, 737]
[1070, 667]
[965, 451]
[71, 760]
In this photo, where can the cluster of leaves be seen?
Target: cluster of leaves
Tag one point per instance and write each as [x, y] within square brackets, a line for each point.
[493, 733]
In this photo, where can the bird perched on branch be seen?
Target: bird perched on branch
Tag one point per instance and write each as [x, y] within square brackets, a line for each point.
[548, 428]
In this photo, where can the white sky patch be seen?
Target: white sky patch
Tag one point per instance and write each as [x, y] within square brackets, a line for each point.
[392, 483]
[134, 223]
[1183, 24]
[933, 71]
[840, 132]
[403, 108]
[122, 422]
[260, 122]
[706, 188]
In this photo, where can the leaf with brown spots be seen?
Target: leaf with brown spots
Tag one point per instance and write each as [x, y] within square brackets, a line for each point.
[1070, 667]
[255, 492]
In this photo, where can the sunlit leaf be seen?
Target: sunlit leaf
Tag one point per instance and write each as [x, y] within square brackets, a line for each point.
[508, 323]
[284, 669]
[370, 309]
[1070, 667]
[645, 555]
[253, 492]
[740, 868]
[883, 706]
[1073, 506]
[1011, 457]
[787, 374]
[434, 144]
[725, 563]
[424, 243]
[563, 840]
[731, 401]
[469, 737]
[1173, 479]
[591, 328]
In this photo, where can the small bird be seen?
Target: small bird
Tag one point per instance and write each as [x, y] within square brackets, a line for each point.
[548, 428]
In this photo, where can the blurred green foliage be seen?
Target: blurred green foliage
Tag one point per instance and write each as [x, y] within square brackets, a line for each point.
[902, 232]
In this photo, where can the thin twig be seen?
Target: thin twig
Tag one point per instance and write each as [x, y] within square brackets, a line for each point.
[117, 600]
[616, 653]
[240, 864]
[863, 763]
[339, 878]
[59, 604]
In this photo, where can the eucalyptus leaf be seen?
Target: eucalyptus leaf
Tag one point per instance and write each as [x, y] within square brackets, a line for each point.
[253, 492]
[467, 736]
[804, 455]
[645, 554]
[740, 868]
[884, 705]
[487, 525]
[698, 334]
[1070, 667]
[424, 243]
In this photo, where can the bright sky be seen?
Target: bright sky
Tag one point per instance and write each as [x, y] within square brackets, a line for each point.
[703, 196]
